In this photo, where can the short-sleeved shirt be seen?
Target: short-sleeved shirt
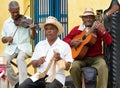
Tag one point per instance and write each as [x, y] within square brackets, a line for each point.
[44, 49]
[21, 39]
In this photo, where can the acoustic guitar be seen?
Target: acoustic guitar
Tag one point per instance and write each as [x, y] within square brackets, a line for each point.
[88, 37]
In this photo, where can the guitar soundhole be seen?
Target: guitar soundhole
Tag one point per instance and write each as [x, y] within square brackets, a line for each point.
[76, 48]
[84, 37]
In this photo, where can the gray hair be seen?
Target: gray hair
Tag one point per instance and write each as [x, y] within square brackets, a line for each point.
[13, 4]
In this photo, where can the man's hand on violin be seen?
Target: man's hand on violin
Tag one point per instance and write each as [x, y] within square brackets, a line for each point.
[76, 42]
[32, 26]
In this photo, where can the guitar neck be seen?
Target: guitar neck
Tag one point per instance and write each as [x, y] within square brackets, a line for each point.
[91, 29]
[115, 8]
[93, 26]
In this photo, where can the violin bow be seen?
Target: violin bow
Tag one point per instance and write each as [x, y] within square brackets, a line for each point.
[26, 10]
[13, 35]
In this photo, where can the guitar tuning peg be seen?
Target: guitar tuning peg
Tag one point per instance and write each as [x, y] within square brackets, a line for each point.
[99, 15]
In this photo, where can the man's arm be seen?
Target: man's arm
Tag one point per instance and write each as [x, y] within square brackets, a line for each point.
[33, 34]
[68, 64]
[37, 63]
[7, 39]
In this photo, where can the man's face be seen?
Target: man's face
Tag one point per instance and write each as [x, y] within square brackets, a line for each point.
[51, 32]
[14, 13]
[88, 20]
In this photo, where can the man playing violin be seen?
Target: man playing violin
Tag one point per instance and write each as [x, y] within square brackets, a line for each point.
[94, 55]
[18, 43]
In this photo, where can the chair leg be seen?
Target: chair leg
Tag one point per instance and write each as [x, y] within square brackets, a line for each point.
[83, 81]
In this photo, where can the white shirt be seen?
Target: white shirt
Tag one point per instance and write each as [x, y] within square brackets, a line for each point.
[81, 27]
[44, 49]
[21, 40]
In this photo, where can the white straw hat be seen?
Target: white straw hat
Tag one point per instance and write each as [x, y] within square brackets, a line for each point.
[54, 21]
[87, 12]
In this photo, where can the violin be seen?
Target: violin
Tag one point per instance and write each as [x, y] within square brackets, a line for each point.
[23, 21]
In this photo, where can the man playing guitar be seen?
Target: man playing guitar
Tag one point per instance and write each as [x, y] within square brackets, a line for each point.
[93, 55]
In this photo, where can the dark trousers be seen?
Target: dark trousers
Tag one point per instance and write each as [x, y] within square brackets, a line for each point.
[54, 84]
[28, 83]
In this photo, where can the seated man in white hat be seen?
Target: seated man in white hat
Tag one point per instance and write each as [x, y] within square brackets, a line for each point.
[52, 56]
[87, 48]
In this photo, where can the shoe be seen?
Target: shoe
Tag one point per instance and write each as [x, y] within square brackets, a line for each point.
[17, 85]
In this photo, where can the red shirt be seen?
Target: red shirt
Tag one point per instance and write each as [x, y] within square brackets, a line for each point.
[96, 49]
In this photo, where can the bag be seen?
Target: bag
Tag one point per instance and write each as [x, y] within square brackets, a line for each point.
[90, 75]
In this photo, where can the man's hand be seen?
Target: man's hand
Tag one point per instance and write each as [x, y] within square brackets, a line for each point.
[57, 56]
[76, 42]
[100, 27]
[41, 60]
[32, 26]
[8, 39]
[37, 63]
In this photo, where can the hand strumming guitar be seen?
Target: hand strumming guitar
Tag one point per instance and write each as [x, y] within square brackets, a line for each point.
[76, 42]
